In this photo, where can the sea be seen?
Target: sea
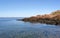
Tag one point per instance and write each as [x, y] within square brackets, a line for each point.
[10, 27]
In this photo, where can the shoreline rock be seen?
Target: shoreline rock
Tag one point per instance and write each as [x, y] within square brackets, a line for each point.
[53, 18]
[41, 20]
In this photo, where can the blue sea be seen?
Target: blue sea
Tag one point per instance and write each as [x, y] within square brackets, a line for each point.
[11, 28]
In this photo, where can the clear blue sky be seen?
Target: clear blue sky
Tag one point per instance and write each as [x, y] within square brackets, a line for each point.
[26, 8]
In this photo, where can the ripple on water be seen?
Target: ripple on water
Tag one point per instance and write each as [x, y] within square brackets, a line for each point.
[19, 29]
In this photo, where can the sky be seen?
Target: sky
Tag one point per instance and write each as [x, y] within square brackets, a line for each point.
[27, 8]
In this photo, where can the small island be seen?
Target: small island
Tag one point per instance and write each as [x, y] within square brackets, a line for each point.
[53, 18]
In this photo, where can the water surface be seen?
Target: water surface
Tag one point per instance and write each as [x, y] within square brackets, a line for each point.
[11, 28]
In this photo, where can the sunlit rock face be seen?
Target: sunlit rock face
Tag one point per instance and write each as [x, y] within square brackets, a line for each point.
[52, 15]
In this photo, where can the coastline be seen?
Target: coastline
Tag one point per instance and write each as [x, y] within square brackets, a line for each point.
[41, 20]
[53, 18]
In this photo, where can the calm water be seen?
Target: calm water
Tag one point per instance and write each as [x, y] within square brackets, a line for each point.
[10, 28]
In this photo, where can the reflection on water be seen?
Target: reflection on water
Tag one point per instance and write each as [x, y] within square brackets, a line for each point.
[19, 29]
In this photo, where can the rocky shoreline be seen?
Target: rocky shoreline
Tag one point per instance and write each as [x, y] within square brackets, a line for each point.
[41, 20]
[53, 18]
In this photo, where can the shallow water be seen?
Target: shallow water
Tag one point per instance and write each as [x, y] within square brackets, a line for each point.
[19, 29]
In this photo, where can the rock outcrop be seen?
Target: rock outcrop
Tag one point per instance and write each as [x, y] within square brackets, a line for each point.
[53, 18]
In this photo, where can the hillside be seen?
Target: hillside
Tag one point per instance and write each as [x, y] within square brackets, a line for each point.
[56, 12]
